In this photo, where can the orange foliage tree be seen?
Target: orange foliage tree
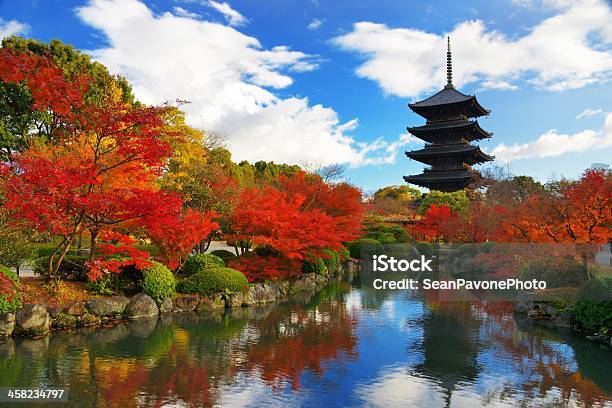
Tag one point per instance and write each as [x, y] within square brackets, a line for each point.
[99, 171]
[296, 220]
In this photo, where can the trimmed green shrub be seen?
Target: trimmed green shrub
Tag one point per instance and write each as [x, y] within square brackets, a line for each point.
[72, 267]
[200, 262]
[364, 245]
[10, 290]
[214, 280]
[555, 272]
[593, 309]
[386, 238]
[315, 265]
[158, 282]
[227, 256]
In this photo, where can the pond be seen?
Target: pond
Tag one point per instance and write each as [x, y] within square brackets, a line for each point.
[347, 345]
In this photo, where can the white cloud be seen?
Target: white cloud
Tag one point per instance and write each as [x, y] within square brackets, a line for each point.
[571, 49]
[181, 12]
[230, 80]
[233, 17]
[12, 27]
[589, 112]
[314, 24]
[552, 143]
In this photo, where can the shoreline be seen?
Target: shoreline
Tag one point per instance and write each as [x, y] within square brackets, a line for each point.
[36, 320]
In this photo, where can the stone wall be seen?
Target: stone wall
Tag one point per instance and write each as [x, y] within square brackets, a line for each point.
[35, 320]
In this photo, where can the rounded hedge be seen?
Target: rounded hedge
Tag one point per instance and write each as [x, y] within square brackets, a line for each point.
[158, 282]
[593, 308]
[200, 262]
[214, 280]
[361, 246]
[10, 291]
[316, 265]
[227, 256]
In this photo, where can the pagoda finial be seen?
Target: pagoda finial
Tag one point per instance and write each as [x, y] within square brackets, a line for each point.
[449, 66]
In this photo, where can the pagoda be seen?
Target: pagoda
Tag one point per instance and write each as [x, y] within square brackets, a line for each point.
[451, 126]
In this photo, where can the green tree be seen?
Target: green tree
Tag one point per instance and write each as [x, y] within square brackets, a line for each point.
[456, 201]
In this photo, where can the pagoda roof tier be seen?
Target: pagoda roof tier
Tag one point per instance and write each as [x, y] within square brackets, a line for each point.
[447, 97]
[442, 180]
[428, 132]
[468, 153]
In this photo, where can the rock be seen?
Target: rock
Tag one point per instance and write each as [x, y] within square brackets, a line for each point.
[566, 319]
[75, 309]
[283, 288]
[213, 302]
[304, 282]
[32, 320]
[166, 306]
[596, 337]
[108, 306]
[140, 306]
[88, 319]
[263, 293]
[548, 309]
[524, 302]
[7, 324]
[64, 321]
[54, 311]
[235, 299]
[250, 297]
[186, 303]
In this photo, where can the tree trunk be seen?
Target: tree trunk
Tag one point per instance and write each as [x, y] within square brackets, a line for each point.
[94, 243]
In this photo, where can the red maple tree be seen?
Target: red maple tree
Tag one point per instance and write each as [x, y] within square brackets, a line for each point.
[297, 220]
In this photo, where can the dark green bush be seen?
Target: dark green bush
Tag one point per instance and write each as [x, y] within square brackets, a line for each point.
[128, 281]
[556, 272]
[197, 263]
[214, 280]
[315, 265]
[266, 250]
[227, 256]
[386, 238]
[333, 261]
[72, 267]
[158, 282]
[593, 309]
[387, 235]
[10, 291]
[364, 246]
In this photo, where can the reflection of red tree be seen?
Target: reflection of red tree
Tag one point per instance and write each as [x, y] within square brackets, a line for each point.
[308, 338]
[187, 382]
[120, 380]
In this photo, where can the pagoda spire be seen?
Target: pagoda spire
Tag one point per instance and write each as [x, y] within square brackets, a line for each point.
[449, 66]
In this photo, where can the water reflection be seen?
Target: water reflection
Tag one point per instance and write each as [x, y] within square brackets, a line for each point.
[341, 347]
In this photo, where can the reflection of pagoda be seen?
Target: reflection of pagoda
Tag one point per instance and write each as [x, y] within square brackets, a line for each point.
[448, 133]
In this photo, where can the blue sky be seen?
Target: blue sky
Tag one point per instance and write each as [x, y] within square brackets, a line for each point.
[317, 82]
